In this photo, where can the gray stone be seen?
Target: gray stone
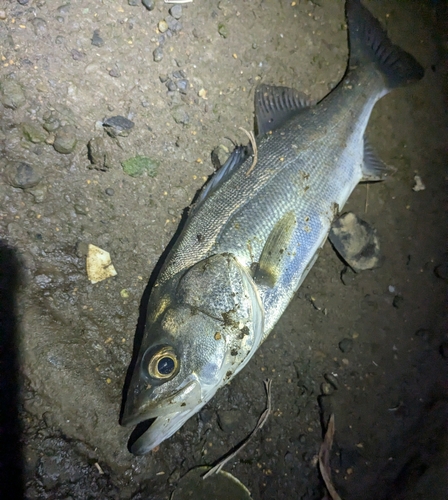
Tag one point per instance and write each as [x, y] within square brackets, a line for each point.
[356, 242]
[22, 175]
[65, 140]
[33, 133]
[346, 345]
[176, 11]
[118, 126]
[157, 54]
[149, 4]
[180, 115]
[98, 154]
[11, 94]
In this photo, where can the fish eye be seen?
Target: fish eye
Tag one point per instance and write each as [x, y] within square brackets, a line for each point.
[162, 364]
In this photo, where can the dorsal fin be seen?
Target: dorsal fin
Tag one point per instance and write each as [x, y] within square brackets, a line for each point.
[275, 105]
[235, 159]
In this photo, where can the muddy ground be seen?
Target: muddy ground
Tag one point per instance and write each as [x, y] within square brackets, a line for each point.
[67, 343]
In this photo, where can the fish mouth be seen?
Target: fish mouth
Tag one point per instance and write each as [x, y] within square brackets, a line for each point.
[145, 439]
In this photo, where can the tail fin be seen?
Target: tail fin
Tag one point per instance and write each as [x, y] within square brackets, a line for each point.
[369, 43]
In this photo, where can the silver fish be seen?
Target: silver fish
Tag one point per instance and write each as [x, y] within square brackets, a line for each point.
[255, 231]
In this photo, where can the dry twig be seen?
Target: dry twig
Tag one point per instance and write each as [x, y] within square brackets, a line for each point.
[261, 421]
[324, 459]
[254, 148]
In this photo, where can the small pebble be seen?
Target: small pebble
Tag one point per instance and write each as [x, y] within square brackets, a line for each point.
[182, 85]
[23, 2]
[346, 345]
[133, 3]
[398, 300]
[65, 139]
[173, 24]
[96, 39]
[163, 78]
[115, 73]
[170, 85]
[176, 11]
[51, 124]
[11, 94]
[179, 74]
[441, 271]
[33, 132]
[118, 126]
[326, 388]
[110, 192]
[222, 30]
[157, 54]
[39, 25]
[163, 26]
[149, 4]
[331, 379]
[2, 14]
[22, 175]
[64, 9]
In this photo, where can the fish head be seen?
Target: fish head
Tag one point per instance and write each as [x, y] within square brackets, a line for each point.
[202, 328]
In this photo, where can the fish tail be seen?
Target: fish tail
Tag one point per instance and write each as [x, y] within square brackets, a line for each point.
[369, 43]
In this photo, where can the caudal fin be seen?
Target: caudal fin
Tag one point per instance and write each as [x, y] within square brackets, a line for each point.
[370, 43]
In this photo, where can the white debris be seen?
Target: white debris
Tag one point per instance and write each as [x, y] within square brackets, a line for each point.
[419, 186]
[99, 265]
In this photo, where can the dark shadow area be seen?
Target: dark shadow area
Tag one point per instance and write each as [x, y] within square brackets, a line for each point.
[11, 461]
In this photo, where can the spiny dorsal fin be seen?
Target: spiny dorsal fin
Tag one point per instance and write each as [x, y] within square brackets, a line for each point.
[275, 105]
[235, 159]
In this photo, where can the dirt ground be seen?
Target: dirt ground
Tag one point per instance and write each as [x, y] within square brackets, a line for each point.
[369, 347]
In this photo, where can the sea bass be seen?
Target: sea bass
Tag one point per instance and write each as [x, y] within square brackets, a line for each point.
[255, 231]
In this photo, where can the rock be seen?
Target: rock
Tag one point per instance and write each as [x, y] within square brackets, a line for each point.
[222, 30]
[39, 25]
[157, 54]
[33, 133]
[109, 191]
[38, 192]
[22, 175]
[118, 126]
[180, 115]
[96, 39]
[11, 94]
[138, 165]
[163, 26]
[182, 85]
[356, 242]
[115, 72]
[149, 4]
[346, 345]
[173, 24]
[98, 154]
[398, 300]
[65, 140]
[176, 11]
[51, 124]
[230, 420]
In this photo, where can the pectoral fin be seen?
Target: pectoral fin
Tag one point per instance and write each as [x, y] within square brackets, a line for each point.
[274, 253]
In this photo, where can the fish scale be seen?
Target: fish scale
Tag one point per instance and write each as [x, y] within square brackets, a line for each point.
[255, 232]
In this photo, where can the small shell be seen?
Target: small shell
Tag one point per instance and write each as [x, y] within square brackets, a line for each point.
[99, 265]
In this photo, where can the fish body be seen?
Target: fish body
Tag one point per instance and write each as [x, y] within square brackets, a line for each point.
[255, 231]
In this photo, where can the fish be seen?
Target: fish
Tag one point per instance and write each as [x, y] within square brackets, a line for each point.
[255, 231]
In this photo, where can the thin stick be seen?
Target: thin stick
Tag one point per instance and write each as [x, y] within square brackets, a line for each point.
[324, 459]
[367, 198]
[261, 421]
[254, 147]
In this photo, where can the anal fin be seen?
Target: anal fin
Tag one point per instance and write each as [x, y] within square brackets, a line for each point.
[374, 169]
